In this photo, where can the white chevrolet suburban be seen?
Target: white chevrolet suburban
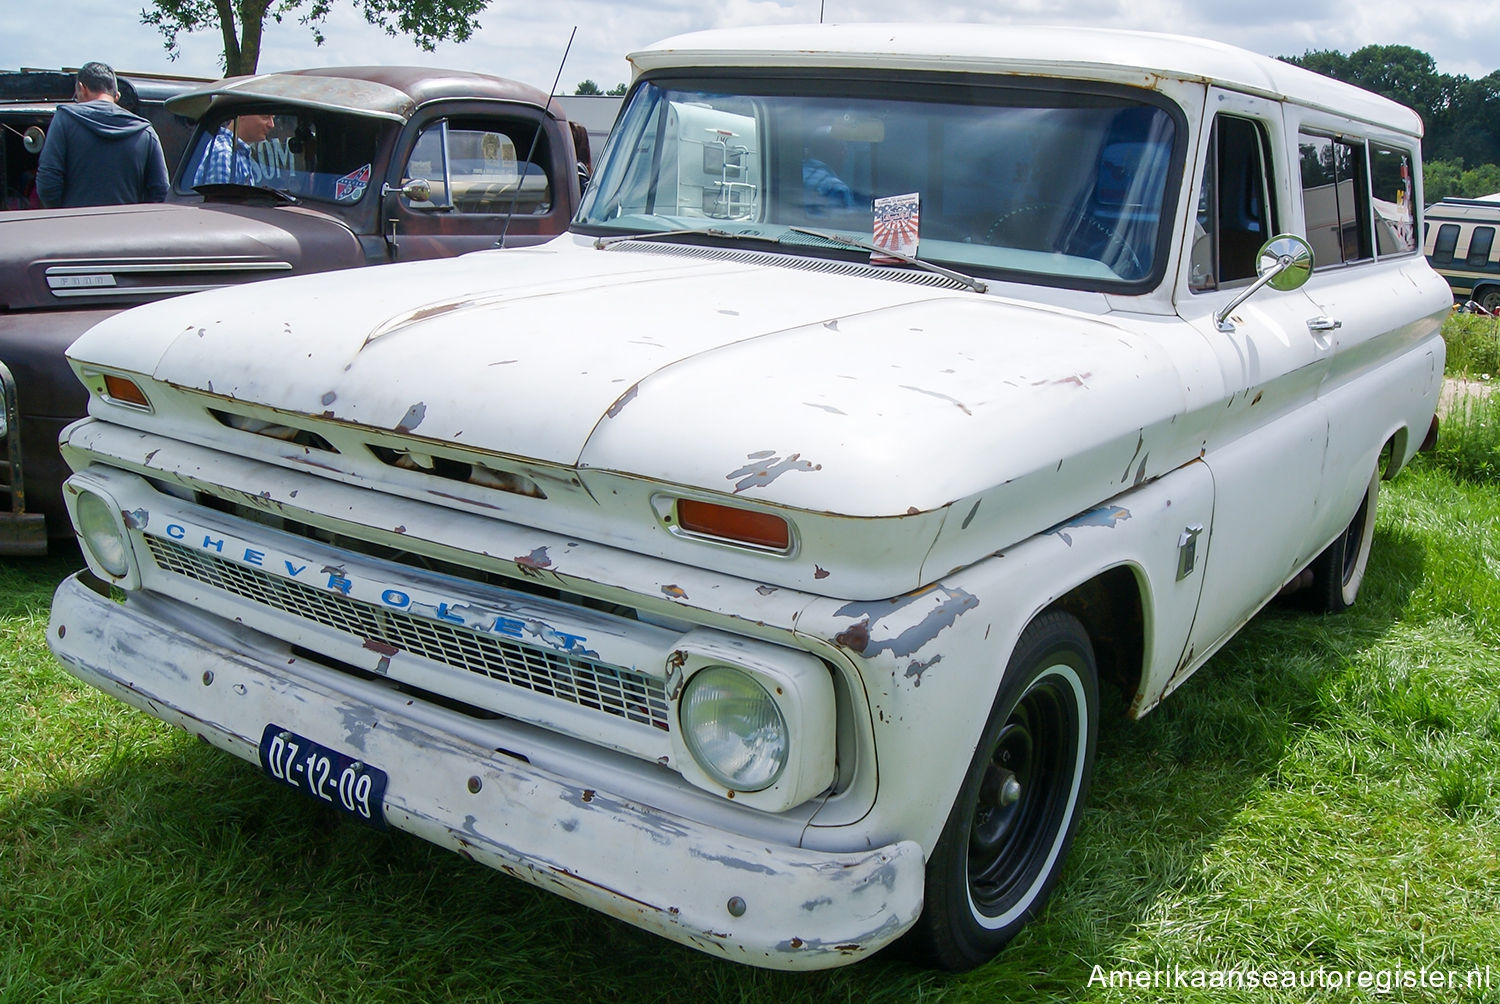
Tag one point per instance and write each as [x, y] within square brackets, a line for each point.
[747, 562]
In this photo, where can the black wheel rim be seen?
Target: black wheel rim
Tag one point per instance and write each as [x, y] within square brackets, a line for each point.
[1023, 796]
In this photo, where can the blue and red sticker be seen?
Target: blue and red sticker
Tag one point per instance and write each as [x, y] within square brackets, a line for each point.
[352, 185]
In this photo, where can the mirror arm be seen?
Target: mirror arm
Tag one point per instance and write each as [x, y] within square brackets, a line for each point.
[1221, 319]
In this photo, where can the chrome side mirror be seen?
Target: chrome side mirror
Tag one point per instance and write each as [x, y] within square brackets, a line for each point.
[32, 139]
[417, 190]
[1285, 262]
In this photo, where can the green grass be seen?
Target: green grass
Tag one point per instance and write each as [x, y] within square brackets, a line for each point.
[1473, 346]
[1469, 445]
[1324, 793]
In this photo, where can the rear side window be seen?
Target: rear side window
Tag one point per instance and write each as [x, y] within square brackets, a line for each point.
[1480, 244]
[1335, 200]
[1447, 240]
[1358, 199]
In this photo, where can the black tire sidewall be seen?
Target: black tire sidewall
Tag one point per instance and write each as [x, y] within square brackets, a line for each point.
[951, 934]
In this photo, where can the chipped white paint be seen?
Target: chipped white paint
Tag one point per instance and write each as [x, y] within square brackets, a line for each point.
[950, 464]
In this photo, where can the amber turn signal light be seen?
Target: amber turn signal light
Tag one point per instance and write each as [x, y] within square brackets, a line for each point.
[737, 526]
[124, 391]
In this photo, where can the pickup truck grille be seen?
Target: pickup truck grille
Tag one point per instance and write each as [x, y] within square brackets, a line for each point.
[584, 682]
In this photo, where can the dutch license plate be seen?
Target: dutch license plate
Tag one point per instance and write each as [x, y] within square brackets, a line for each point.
[329, 776]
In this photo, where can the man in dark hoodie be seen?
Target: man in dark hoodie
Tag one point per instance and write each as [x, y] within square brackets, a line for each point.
[97, 153]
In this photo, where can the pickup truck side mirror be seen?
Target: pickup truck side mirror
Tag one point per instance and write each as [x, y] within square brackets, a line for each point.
[1284, 262]
[417, 190]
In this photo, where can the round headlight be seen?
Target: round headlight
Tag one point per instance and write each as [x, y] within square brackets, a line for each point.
[101, 534]
[733, 728]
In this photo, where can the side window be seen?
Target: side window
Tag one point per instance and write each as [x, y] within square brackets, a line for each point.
[1235, 212]
[1447, 240]
[1480, 244]
[1335, 200]
[1395, 211]
[481, 166]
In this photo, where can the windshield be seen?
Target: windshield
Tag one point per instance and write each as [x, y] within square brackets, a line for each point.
[308, 154]
[1067, 186]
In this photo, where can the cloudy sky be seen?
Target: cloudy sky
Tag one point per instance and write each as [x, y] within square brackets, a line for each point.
[526, 40]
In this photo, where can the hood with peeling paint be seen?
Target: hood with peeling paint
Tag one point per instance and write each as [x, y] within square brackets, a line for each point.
[855, 395]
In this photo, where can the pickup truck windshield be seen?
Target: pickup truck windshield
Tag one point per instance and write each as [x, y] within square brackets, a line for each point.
[1064, 185]
[307, 154]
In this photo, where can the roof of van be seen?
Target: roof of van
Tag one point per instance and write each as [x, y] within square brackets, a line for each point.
[1129, 57]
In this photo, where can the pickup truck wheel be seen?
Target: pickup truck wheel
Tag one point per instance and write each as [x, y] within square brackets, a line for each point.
[1339, 570]
[1489, 298]
[1007, 835]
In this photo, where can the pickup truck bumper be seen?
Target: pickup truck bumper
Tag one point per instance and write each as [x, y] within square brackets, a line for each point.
[724, 893]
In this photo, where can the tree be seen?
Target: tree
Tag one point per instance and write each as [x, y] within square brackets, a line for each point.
[241, 22]
[617, 91]
[588, 87]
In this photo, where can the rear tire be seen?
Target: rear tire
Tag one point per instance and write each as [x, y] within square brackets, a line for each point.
[1489, 298]
[1003, 846]
[1340, 569]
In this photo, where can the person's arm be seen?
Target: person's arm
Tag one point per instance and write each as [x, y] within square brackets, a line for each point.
[50, 180]
[156, 181]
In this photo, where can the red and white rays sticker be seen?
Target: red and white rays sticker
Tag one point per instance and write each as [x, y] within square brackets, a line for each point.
[352, 185]
[897, 220]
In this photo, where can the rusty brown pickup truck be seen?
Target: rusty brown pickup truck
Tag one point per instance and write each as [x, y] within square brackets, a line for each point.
[286, 173]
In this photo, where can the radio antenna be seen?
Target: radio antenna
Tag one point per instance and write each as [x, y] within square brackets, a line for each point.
[535, 138]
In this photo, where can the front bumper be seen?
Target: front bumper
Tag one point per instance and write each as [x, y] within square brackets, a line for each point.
[797, 909]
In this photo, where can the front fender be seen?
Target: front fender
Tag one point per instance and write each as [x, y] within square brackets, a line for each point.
[932, 660]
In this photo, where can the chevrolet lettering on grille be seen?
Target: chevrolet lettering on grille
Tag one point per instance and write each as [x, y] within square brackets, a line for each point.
[336, 579]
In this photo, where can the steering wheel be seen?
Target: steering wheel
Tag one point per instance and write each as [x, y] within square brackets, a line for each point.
[1115, 246]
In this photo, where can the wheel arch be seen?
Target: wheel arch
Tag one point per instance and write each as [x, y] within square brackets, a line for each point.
[1111, 607]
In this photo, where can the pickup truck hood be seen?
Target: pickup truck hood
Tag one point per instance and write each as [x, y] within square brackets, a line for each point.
[118, 255]
[833, 393]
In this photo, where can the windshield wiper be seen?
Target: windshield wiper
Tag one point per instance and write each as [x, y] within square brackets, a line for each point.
[977, 285]
[232, 189]
[603, 242]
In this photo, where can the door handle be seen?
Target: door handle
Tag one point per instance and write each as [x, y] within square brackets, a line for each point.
[1323, 323]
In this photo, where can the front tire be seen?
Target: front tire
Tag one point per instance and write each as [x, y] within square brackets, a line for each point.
[1006, 838]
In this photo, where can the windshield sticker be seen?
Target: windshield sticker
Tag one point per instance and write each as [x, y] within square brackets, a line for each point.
[352, 185]
[897, 219]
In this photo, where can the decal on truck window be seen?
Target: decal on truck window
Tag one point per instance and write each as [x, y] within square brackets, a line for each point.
[352, 185]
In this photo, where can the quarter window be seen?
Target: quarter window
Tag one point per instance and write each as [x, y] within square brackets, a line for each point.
[1393, 201]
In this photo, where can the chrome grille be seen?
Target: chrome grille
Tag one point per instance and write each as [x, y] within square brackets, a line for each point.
[583, 682]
